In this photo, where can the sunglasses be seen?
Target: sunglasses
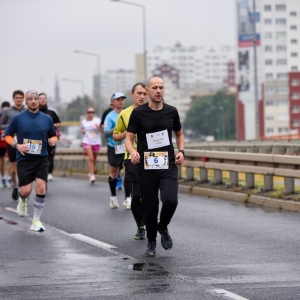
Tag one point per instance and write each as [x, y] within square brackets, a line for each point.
[90, 112]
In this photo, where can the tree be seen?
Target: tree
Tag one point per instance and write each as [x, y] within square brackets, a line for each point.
[77, 108]
[213, 115]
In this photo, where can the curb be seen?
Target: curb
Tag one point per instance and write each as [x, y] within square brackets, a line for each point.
[240, 197]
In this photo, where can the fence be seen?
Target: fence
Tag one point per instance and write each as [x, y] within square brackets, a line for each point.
[204, 161]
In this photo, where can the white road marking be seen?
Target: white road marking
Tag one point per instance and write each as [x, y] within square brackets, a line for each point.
[91, 241]
[13, 210]
[229, 294]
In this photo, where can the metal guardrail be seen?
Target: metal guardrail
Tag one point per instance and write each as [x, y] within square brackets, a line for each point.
[288, 147]
[267, 165]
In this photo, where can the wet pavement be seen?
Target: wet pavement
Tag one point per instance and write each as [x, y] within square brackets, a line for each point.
[54, 265]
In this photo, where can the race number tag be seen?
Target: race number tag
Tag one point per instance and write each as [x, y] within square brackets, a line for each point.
[35, 146]
[120, 148]
[156, 160]
[158, 139]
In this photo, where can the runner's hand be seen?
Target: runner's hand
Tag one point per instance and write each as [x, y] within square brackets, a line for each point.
[179, 158]
[135, 157]
[22, 148]
[51, 141]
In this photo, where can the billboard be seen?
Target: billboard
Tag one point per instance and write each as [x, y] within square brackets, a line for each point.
[245, 25]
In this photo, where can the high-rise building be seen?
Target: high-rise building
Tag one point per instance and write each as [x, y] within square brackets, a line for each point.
[116, 81]
[277, 24]
[199, 67]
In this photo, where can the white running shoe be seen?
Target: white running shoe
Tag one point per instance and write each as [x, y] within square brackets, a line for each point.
[37, 226]
[114, 202]
[127, 203]
[92, 178]
[22, 207]
[50, 177]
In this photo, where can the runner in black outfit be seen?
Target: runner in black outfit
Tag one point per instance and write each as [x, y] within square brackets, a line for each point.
[153, 123]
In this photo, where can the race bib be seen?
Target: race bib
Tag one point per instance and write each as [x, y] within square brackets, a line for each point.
[158, 139]
[156, 160]
[35, 146]
[91, 135]
[120, 148]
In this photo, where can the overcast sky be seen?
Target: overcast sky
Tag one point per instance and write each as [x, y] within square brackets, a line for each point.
[38, 37]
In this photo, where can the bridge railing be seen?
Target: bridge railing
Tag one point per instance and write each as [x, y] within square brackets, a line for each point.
[204, 161]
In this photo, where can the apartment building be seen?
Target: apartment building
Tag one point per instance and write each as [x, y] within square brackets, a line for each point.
[278, 62]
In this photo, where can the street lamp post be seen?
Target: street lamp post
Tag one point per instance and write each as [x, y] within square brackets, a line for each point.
[82, 91]
[223, 122]
[98, 70]
[144, 33]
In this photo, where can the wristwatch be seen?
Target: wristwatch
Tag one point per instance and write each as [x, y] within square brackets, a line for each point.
[183, 152]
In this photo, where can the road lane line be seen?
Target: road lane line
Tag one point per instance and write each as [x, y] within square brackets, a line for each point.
[91, 241]
[229, 294]
[13, 210]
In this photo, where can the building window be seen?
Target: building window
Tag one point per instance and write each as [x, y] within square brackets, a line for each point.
[293, 27]
[282, 89]
[281, 48]
[295, 96]
[281, 76]
[270, 130]
[280, 7]
[295, 123]
[281, 62]
[294, 68]
[269, 89]
[280, 35]
[270, 117]
[269, 103]
[294, 82]
[294, 54]
[268, 48]
[280, 21]
[293, 14]
[268, 8]
[283, 117]
[283, 129]
[269, 76]
[268, 62]
[268, 35]
[294, 41]
[295, 109]
[283, 102]
[268, 21]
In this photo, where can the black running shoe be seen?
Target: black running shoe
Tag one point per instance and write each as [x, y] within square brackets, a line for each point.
[140, 234]
[150, 251]
[15, 194]
[166, 240]
[4, 183]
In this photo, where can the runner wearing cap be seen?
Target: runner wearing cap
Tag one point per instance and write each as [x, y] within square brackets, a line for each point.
[34, 130]
[8, 114]
[115, 150]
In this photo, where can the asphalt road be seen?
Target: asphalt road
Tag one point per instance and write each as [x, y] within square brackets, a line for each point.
[222, 250]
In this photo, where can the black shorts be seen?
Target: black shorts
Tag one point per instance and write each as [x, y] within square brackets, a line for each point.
[114, 160]
[131, 171]
[30, 169]
[2, 152]
[12, 153]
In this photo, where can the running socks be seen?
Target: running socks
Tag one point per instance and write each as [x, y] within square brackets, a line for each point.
[127, 189]
[113, 185]
[38, 206]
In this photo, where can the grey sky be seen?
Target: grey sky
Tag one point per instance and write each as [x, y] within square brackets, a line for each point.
[39, 36]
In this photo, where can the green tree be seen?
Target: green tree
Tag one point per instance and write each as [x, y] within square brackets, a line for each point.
[77, 108]
[213, 115]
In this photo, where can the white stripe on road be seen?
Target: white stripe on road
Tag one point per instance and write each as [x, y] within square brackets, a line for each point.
[96, 243]
[13, 210]
[229, 294]
[91, 241]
